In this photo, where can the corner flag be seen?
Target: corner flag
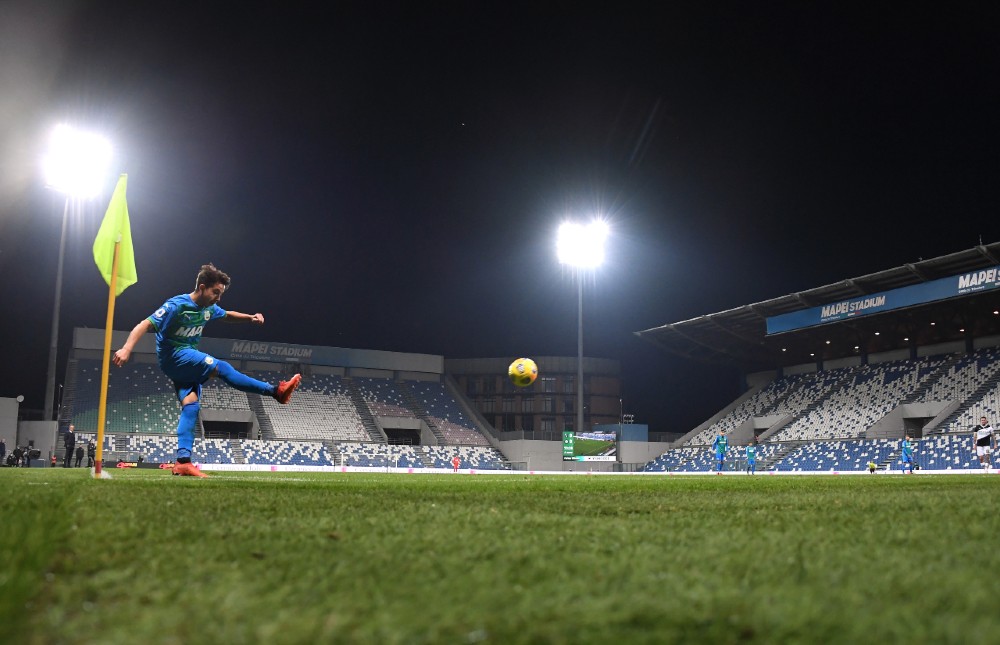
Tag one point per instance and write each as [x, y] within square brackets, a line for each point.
[115, 228]
[116, 262]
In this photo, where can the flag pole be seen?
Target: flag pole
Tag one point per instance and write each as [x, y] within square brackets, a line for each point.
[106, 364]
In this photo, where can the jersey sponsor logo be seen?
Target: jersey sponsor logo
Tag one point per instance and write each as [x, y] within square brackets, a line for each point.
[189, 332]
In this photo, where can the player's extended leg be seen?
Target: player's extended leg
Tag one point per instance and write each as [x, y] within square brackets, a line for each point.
[190, 407]
[234, 378]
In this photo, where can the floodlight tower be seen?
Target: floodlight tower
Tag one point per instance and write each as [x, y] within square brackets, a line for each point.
[75, 165]
[581, 246]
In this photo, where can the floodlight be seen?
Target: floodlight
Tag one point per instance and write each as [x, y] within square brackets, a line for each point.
[77, 162]
[582, 245]
[76, 165]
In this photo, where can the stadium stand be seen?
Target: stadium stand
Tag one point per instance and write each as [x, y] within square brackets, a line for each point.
[865, 395]
[374, 455]
[833, 410]
[323, 410]
[446, 413]
[838, 455]
[383, 397]
[471, 457]
[946, 452]
[286, 453]
[216, 395]
[673, 459]
[140, 399]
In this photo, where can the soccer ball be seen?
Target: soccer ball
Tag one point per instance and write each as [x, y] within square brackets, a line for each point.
[522, 372]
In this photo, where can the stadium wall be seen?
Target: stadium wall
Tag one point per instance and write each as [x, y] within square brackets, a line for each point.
[547, 455]
[762, 378]
[986, 341]
[940, 349]
[8, 422]
[894, 425]
[264, 355]
[40, 434]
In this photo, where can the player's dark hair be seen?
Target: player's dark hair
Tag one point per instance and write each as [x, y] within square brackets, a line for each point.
[210, 276]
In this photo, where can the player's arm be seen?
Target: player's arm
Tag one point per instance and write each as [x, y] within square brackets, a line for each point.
[239, 317]
[122, 355]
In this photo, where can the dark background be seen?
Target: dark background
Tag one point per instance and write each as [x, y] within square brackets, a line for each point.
[391, 176]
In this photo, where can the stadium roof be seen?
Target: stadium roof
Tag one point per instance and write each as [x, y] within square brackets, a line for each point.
[739, 336]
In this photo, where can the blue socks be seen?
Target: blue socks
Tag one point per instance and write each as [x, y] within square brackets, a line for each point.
[185, 429]
[241, 381]
[189, 412]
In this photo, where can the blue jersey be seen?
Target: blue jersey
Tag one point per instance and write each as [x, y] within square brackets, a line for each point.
[720, 444]
[907, 450]
[179, 323]
[751, 453]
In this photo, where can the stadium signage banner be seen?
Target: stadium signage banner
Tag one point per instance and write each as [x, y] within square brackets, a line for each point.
[875, 303]
[269, 351]
[229, 349]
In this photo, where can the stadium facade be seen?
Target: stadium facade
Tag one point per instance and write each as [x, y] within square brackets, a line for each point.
[546, 408]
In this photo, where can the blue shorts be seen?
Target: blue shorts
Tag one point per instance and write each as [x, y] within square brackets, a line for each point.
[188, 369]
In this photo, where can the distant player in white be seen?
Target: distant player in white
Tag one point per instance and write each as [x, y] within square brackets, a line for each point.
[984, 442]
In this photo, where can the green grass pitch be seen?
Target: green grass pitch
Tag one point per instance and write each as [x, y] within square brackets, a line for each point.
[382, 558]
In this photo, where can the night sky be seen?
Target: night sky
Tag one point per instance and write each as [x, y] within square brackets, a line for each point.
[391, 176]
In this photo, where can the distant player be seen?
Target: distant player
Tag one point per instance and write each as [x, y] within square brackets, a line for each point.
[751, 459]
[906, 457]
[984, 442]
[719, 445]
[178, 325]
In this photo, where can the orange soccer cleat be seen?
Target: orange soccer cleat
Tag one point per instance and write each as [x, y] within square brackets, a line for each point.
[187, 469]
[283, 392]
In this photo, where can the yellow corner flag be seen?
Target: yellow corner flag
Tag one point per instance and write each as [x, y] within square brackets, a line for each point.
[115, 228]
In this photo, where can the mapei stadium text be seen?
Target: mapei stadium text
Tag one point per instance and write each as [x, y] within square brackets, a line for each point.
[266, 349]
[852, 306]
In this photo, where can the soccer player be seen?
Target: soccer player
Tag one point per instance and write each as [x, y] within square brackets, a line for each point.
[984, 442]
[907, 455]
[178, 325]
[720, 444]
[751, 459]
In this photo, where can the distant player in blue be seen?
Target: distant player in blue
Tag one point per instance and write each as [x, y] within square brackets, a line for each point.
[907, 455]
[719, 445]
[178, 325]
[751, 459]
